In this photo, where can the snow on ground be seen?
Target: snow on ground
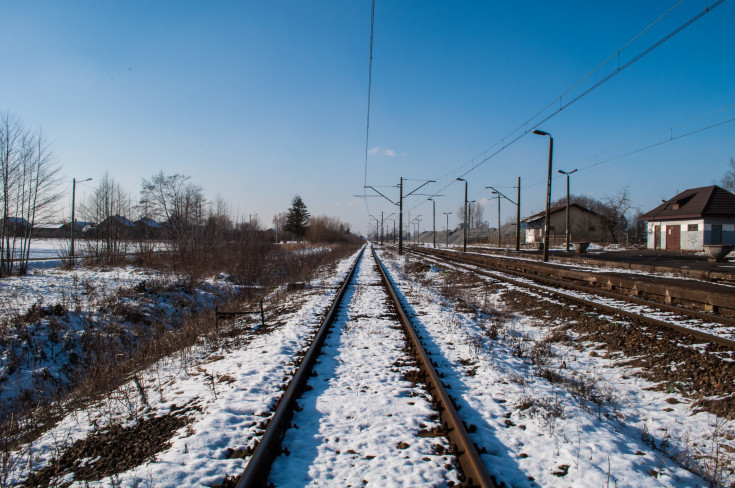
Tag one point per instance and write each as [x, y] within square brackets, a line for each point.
[226, 392]
[82, 287]
[358, 424]
[534, 432]
[714, 328]
[541, 433]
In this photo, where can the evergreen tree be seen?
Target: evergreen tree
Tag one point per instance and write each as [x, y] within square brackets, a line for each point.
[297, 217]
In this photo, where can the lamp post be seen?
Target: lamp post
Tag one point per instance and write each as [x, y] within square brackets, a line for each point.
[73, 195]
[433, 218]
[567, 216]
[447, 214]
[548, 192]
[377, 228]
[518, 211]
[465, 212]
[498, 196]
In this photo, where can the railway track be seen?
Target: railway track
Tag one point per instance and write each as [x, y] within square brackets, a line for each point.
[646, 311]
[349, 407]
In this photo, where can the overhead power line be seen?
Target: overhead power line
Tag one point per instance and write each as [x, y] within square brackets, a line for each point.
[530, 124]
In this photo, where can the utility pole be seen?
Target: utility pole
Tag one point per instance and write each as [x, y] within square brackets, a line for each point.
[518, 218]
[498, 221]
[465, 213]
[447, 236]
[73, 195]
[548, 193]
[567, 216]
[518, 212]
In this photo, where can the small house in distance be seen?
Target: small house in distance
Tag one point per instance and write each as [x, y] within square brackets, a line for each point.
[585, 225]
[691, 219]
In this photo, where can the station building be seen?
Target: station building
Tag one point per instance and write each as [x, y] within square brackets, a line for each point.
[692, 219]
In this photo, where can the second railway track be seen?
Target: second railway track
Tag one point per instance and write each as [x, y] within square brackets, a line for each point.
[678, 319]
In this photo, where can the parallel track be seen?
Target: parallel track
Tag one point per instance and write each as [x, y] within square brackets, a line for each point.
[469, 264]
[269, 447]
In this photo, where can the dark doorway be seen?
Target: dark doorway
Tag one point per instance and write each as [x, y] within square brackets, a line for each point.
[673, 237]
[657, 237]
[716, 237]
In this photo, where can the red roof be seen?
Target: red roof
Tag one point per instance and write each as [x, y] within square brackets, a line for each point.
[706, 201]
[552, 210]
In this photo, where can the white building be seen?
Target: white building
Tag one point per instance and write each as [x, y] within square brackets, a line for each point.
[692, 219]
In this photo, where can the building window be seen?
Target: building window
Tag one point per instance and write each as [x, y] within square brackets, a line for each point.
[693, 227]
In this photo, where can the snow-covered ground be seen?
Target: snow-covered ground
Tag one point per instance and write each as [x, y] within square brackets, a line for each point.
[215, 398]
[541, 430]
[532, 429]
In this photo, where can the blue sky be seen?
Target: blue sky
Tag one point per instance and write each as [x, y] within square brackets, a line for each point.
[259, 101]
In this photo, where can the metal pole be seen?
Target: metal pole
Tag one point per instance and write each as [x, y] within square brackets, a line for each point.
[548, 193]
[499, 221]
[518, 217]
[73, 192]
[548, 201]
[465, 214]
[400, 217]
[567, 225]
[433, 211]
[381, 227]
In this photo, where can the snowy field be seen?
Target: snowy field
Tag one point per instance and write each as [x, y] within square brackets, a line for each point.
[215, 399]
[539, 433]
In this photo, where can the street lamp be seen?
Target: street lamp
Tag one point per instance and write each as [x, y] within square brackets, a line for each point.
[447, 214]
[548, 192]
[465, 212]
[518, 211]
[73, 194]
[433, 218]
[498, 196]
[567, 225]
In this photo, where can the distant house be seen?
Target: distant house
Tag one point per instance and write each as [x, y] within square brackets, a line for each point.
[115, 226]
[79, 227]
[49, 231]
[585, 225]
[147, 228]
[16, 226]
[691, 219]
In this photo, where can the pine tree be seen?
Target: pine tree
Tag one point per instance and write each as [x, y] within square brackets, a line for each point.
[297, 217]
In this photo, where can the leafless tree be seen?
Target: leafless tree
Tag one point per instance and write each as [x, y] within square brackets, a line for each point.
[29, 178]
[728, 181]
[108, 207]
[475, 212]
[178, 202]
[279, 224]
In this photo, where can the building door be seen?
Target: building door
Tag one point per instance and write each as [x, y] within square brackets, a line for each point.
[657, 237]
[716, 234]
[673, 237]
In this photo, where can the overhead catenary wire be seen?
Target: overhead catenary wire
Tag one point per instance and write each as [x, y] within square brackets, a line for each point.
[531, 123]
[670, 138]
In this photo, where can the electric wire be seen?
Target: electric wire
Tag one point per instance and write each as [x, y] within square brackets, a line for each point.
[484, 157]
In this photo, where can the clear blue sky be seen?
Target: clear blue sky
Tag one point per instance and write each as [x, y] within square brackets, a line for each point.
[258, 101]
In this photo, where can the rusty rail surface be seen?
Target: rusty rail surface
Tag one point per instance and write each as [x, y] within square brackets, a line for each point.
[467, 263]
[269, 447]
[472, 466]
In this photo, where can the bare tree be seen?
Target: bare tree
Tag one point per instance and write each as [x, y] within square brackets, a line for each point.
[279, 224]
[109, 208]
[475, 212]
[180, 203]
[29, 179]
[728, 181]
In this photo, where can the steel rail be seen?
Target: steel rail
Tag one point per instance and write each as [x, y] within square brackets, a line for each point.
[488, 261]
[269, 447]
[456, 261]
[474, 469]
